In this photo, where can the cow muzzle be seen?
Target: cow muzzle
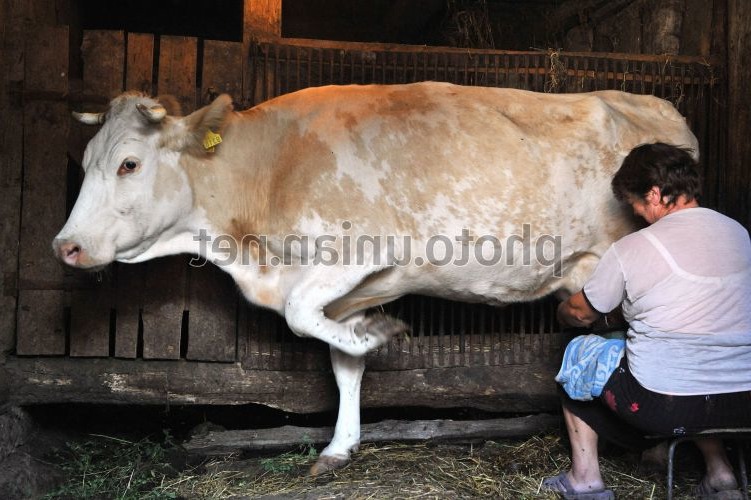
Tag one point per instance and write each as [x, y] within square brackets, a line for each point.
[71, 253]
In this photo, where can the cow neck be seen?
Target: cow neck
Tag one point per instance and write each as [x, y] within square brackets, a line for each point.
[231, 185]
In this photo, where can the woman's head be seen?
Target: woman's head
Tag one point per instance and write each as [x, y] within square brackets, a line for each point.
[670, 168]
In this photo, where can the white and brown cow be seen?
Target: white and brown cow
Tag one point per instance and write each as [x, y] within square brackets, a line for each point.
[448, 172]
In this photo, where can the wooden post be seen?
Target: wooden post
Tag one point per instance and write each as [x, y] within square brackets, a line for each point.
[735, 186]
[262, 20]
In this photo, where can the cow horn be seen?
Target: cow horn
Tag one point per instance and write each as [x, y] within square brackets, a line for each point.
[89, 118]
[154, 114]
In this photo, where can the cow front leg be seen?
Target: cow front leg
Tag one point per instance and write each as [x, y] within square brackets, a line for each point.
[348, 371]
[304, 312]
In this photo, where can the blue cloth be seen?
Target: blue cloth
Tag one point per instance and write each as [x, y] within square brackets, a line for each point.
[588, 362]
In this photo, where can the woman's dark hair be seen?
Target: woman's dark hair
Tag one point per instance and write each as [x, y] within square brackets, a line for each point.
[670, 168]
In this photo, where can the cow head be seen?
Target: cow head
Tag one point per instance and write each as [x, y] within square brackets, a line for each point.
[135, 195]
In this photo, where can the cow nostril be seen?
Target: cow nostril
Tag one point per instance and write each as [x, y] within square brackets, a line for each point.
[69, 252]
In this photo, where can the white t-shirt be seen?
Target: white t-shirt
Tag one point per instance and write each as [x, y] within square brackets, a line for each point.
[685, 286]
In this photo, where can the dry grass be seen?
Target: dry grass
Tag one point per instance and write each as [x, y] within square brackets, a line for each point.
[506, 470]
[556, 78]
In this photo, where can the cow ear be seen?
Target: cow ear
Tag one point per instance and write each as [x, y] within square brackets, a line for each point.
[171, 104]
[207, 120]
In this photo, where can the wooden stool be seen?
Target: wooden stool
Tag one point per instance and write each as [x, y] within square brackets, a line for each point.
[739, 434]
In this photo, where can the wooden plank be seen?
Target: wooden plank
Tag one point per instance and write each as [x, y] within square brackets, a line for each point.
[512, 389]
[46, 67]
[129, 295]
[222, 70]
[177, 70]
[249, 323]
[163, 307]
[128, 303]
[213, 303]
[11, 160]
[213, 299]
[103, 55]
[90, 321]
[45, 142]
[41, 323]
[166, 280]
[216, 443]
[40, 314]
[140, 63]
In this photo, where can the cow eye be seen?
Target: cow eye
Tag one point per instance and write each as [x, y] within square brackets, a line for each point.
[128, 166]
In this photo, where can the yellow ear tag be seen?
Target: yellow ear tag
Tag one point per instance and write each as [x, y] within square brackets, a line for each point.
[211, 140]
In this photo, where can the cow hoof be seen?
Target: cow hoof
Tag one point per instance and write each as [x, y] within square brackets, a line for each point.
[327, 463]
[381, 327]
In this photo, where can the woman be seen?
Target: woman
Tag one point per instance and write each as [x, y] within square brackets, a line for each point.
[684, 286]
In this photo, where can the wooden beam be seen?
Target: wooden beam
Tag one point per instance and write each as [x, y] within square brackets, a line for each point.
[512, 389]
[424, 431]
[424, 49]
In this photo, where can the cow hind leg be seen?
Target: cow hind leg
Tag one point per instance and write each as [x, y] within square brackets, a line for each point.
[348, 371]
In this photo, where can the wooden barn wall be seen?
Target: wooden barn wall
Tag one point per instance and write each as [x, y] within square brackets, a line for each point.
[23, 27]
[104, 337]
[165, 331]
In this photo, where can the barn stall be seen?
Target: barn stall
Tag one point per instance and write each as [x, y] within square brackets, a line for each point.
[167, 332]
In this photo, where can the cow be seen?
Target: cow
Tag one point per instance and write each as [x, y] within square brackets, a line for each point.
[343, 198]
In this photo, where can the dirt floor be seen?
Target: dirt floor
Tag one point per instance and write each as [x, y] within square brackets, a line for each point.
[86, 453]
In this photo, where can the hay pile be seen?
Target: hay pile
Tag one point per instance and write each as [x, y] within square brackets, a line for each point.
[506, 470]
